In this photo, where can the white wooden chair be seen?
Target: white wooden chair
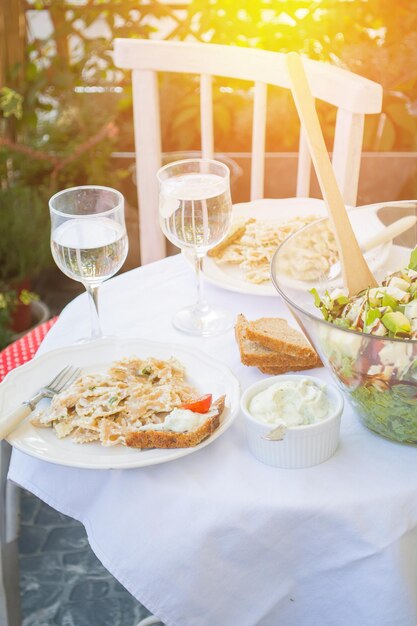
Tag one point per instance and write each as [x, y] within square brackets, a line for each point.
[353, 95]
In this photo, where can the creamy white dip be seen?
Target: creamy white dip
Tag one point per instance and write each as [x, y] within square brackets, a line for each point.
[181, 421]
[294, 402]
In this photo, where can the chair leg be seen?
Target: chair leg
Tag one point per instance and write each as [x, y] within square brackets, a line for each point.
[9, 524]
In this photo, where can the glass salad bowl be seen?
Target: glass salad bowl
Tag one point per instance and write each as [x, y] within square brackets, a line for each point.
[377, 373]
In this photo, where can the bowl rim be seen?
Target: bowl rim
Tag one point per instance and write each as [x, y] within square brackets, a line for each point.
[336, 412]
[292, 304]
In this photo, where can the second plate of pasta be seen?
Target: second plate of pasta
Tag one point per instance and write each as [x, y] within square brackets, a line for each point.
[242, 262]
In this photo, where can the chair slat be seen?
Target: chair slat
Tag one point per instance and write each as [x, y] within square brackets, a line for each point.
[258, 141]
[352, 94]
[148, 161]
[347, 149]
[332, 84]
[304, 168]
[206, 116]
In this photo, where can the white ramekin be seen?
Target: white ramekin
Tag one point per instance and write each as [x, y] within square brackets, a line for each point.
[302, 446]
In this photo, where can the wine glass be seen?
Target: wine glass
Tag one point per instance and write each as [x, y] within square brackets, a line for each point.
[195, 214]
[88, 238]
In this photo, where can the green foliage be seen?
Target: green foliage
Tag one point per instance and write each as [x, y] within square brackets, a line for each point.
[24, 224]
[9, 299]
[375, 39]
[10, 103]
[52, 113]
[5, 319]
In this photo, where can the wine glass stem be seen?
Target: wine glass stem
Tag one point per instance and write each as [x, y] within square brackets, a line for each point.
[201, 304]
[95, 320]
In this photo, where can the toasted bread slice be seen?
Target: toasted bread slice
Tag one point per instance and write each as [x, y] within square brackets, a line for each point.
[168, 439]
[275, 371]
[269, 361]
[236, 231]
[276, 334]
[253, 353]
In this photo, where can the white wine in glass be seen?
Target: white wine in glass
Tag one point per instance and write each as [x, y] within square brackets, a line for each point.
[88, 238]
[195, 213]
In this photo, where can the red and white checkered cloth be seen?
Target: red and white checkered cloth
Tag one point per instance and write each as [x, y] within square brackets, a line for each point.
[24, 349]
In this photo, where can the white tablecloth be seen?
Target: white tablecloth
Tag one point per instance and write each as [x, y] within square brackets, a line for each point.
[217, 538]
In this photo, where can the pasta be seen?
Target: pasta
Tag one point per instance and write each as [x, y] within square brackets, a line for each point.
[105, 407]
[312, 254]
[251, 245]
[255, 247]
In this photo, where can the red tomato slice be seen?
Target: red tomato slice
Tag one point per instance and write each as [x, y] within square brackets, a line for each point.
[201, 405]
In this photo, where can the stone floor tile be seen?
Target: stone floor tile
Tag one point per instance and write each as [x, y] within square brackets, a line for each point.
[46, 567]
[29, 506]
[104, 612]
[82, 562]
[66, 539]
[47, 516]
[32, 539]
[117, 587]
[41, 617]
[89, 590]
[39, 595]
[62, 582]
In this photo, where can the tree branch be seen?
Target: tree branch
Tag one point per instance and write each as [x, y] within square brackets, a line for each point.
[39, 155]
[108, 131]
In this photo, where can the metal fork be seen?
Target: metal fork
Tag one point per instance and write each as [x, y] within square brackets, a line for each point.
[66, 376]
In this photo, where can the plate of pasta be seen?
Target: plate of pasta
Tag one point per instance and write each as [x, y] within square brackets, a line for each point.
[241, 262]
[125, 393]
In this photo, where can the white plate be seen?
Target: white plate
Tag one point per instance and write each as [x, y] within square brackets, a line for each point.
[205, 373]
[230, 276]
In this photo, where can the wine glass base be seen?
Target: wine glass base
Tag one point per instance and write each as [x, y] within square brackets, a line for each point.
[98, 338]
[205, 323]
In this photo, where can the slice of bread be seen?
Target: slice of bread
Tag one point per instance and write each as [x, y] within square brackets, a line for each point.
[276, 334]
[146, 439]
[236, 231]
[253, 353]
[274, 371]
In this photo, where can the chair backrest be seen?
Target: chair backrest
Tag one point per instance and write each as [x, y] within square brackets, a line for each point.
[353, 95]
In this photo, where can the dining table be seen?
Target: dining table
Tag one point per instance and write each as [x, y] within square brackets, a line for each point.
[217, 538]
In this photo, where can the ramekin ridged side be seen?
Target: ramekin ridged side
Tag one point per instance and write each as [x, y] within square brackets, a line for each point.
[301, 446]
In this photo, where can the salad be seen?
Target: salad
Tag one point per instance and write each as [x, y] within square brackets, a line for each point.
[380, 375]
[387, 311]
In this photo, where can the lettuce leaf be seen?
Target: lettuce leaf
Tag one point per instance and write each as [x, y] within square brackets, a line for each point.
[413, 260]
[391, 413]
[372, 315]
[316, 296]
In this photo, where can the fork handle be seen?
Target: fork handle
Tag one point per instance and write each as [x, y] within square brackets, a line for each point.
[13, 419]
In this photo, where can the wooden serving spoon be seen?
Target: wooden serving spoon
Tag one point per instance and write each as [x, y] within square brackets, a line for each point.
[388, 234]
[355, 271]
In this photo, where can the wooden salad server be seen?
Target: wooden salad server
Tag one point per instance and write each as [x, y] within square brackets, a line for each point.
[356, 274]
